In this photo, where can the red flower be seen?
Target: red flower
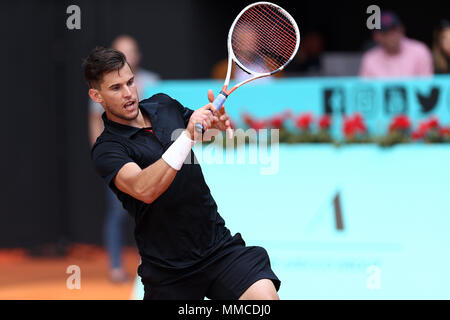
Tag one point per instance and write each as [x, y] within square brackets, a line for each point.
[325, 122]
[425, 127]
[359, 123]
[421, 132]
[416, 135]
[304, 121]
[433, 123]
[248, 120]
[254, 123]
[444, 131]
[259, 124]
[400, 122]
[277, 121]
[354, 125]
[349, 127]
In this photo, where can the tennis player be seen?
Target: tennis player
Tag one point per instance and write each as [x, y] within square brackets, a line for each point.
[186, 250]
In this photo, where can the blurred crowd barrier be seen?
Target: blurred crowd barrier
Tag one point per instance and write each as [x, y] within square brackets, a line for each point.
[422, 102]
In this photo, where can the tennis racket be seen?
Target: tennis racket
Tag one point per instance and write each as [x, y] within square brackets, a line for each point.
[262, 40]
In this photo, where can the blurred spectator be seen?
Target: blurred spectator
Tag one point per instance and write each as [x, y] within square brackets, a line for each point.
[246, 56]
[308, 59]
[395, 55]
[116, 215]
[441, 48]
[219, 70]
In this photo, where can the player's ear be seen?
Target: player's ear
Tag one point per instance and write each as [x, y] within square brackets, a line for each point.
[95, 95]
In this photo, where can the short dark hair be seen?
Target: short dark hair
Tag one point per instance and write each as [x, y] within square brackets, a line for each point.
[100, 61]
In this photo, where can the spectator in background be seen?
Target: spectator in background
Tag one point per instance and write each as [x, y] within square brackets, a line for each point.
[441, 48]
[307, 62]
[116, 215]
[219, 70]
[395, 55]
[246, 57]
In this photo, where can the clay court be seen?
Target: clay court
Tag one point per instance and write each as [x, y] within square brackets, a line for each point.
[23, 277]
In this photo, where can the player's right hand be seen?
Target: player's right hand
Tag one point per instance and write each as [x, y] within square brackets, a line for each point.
[205, 115]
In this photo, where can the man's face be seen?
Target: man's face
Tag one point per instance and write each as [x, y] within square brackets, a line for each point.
[389, 40]
[118, 95]
[130, 49]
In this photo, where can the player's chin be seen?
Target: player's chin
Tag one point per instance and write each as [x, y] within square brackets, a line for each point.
[131, 111]
[130, 115]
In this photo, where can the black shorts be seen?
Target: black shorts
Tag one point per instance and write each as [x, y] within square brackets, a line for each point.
[227, 278]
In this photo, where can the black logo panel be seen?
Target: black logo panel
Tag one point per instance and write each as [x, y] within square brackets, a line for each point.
[364, 99]
[428, 102]
[334, 99]
[395, 100]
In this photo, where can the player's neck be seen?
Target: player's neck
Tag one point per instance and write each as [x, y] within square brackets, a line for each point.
[141, 121]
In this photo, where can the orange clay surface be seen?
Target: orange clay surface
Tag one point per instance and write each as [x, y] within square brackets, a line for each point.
[44, 278]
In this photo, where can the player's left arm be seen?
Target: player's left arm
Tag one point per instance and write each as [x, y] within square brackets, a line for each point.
[220, 120]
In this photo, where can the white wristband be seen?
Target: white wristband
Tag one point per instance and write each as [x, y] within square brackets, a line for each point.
[178, 151]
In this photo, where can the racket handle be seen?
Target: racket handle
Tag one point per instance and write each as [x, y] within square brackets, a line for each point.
[218, 102]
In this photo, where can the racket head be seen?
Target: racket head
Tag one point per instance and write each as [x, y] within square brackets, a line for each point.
[263, 39]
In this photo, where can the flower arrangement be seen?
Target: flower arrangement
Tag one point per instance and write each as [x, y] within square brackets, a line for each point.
[430, 131]
[312, 129]
[308, 128]
[399, 131]
[355, 129]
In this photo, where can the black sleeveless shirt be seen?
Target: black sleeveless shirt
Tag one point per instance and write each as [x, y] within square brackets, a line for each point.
[182, 228]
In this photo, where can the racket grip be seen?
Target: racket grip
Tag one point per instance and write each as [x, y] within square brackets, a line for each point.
[218, 102]
[220, 99]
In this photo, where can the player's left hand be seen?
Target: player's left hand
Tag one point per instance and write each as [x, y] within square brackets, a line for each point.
[222, 120]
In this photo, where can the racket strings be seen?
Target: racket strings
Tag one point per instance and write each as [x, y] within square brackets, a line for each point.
[279, 53]
[279, 38]
[276, 48]
[274, 57]
[263, 39]
[288, 28]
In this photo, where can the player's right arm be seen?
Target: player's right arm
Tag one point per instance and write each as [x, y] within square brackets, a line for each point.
[149, 183]
[146, 184]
